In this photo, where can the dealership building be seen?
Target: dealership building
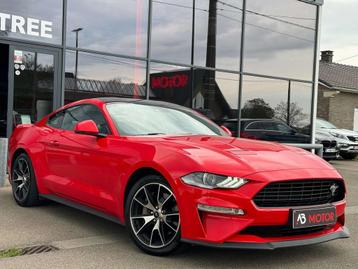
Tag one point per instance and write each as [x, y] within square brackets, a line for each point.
[229, 59]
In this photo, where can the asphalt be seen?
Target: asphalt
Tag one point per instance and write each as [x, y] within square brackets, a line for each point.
[86, 241]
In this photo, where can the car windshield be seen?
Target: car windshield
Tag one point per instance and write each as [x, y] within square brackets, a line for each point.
[133, 119]
[322, 124]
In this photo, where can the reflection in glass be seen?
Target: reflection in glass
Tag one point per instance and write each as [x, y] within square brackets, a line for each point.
[101, 76]
[300, 108]
[212, 93]
[218, 33]
[279, 109]
[171, 30]
[39, 20]
[109, 25]
[171, 84]
[280, 38]
[33, 85]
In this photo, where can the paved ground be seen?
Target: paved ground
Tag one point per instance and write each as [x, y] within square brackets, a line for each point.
[90, 242]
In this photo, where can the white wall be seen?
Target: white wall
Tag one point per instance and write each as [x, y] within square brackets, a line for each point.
[355, 124]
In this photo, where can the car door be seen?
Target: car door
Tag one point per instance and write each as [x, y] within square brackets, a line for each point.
[82, 163]
[273, 133]
[284, 133]
[50, 136]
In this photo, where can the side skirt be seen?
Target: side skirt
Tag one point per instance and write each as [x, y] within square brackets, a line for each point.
[81, 207]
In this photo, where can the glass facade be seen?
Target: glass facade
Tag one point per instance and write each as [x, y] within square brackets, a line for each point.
[232, 60]
[32, 20]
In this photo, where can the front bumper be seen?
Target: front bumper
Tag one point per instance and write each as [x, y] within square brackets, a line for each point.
[221, 230]
[340, 234]
[330, 153]
[348, 147]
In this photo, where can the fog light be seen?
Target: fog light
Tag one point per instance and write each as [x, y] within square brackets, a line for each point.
[221, 210]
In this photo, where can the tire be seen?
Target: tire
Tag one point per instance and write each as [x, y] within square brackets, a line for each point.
[348, 156]
[23, 182]
[154, 226]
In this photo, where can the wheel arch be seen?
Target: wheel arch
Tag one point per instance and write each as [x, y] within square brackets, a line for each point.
[136, 176]
[17, 153]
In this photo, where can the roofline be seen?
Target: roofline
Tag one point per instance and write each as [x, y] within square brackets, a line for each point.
[342, 89]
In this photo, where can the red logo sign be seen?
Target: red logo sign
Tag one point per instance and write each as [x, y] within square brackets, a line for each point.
[167, 82]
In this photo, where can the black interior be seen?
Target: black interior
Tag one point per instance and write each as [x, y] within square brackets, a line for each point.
[4, 71]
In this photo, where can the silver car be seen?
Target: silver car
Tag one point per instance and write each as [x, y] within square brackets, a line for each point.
[347, 140]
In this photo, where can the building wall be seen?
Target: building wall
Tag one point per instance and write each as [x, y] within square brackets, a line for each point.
[338, 109]
[322, 103]
[341, 111]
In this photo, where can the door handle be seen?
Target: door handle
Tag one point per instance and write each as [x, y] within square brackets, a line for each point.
[54, 143]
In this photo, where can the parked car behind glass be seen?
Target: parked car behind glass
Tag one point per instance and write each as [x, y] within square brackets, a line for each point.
[330, 147]
[266, 129]
[347, 140]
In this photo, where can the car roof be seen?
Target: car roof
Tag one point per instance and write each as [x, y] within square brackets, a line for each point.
[235, 120]
[139, 101]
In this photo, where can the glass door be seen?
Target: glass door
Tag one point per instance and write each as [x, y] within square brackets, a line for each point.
[34, 87]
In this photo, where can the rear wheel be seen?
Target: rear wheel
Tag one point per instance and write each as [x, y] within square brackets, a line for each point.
[348, 156]
[152, 216]
[23, 182]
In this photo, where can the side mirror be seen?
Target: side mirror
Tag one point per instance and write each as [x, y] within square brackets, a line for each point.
[226, 130]
[88, 127]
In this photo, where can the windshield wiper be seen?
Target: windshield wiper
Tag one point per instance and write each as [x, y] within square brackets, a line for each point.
[155, 134]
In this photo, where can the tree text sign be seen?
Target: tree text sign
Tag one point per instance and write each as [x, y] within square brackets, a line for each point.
[25, 26]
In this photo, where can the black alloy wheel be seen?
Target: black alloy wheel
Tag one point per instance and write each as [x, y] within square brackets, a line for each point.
[23, 182]
[152, 216]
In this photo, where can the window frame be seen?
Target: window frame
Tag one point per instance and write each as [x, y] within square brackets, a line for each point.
[272, 121]
[63, 111]
[54, 115]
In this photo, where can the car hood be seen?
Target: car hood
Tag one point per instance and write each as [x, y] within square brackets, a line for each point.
[218, 154]
[324, 136]
[340, 131]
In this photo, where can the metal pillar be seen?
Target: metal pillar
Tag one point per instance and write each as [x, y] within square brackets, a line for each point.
[3, 160]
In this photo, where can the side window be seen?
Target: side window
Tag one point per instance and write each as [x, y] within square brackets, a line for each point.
[55, 121]
[80, 113]
[257, 125]
[283, 128]
[73, 115]
[96, 115]
[269, 126]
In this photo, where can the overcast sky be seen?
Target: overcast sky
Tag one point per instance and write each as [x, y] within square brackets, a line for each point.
[340, 29]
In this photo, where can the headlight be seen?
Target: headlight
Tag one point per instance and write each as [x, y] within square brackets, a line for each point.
[212, 181]
[338, 135]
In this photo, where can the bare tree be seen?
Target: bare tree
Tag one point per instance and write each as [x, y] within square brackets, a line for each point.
[296, 115]
[257, 108]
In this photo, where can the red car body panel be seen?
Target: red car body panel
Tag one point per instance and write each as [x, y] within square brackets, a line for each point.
[96, 171]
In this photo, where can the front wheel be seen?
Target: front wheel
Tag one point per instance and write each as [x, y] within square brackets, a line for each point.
[23, 181]
[152, 216]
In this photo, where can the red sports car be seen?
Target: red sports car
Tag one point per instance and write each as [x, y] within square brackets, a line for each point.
[171, 175]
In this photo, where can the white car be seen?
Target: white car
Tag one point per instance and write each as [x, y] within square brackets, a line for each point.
[347, 140]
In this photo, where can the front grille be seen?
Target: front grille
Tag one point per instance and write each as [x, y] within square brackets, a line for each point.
[329, 144]
[299, 193]
[279, 231]
[353, 138]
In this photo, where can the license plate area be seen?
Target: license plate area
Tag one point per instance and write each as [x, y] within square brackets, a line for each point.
[312, 217]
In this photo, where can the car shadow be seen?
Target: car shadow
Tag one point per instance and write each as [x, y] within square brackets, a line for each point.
[193, 256]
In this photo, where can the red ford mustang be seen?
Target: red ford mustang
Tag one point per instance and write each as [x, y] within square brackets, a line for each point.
[171, 176]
